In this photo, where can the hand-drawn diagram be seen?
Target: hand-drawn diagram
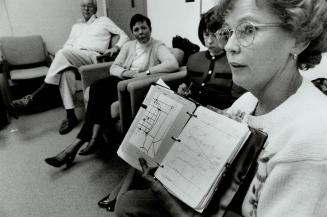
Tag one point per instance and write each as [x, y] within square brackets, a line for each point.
[206, 144]
[194, 162]
[154, 124]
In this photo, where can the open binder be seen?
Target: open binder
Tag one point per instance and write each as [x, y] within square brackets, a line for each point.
[191, 145]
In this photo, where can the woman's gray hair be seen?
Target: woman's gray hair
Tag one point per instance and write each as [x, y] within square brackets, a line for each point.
[94, 2]
[306, 20]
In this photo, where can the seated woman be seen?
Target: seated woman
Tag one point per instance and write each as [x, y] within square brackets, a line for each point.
[209, 77]
[137, 58]
[267, 42]
[210, 68]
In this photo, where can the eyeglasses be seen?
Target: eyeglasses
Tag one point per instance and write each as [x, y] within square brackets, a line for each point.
[209, 34]
[244, 32]
[87, 6]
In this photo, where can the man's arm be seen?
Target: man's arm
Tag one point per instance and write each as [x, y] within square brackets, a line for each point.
[72, 37]
[114, 29]
[117, 68]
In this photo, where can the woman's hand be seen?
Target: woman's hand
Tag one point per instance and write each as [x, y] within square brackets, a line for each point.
[172, 205]
[151, 181]
[183, 90]
[129, 74]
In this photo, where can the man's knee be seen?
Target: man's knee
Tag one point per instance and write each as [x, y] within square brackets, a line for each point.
[63, 52]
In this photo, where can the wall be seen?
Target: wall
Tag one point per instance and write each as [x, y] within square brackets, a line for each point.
[53, 18]
[319, 71]
[5, 27]
[50, 18]
[176, 17]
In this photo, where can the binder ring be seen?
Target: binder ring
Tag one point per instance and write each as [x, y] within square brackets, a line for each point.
[192, 115]
[176, 139]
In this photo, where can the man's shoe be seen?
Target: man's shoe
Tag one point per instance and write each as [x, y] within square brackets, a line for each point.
[67, 125]
[23, 103]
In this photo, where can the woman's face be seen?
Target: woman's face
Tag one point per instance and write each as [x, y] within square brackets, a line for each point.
[211, 42]
[257, 65]
[142, 32]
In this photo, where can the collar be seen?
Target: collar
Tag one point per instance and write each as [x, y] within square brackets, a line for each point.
[91, 20]
[144, 46]
[220, 53]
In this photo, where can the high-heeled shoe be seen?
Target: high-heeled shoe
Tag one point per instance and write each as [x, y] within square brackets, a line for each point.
[92, 147]
[61, 159]
[107, 203]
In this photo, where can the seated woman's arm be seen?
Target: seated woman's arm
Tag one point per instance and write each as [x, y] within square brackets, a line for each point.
[168, 62]
[117, 68]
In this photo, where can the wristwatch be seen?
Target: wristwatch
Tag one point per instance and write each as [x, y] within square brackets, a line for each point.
[147, 72]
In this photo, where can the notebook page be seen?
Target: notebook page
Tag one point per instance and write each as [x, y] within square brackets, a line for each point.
[163, 114]
[192, 165]
[155, 123]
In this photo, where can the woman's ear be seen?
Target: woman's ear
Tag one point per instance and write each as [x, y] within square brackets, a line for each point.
[299, 47]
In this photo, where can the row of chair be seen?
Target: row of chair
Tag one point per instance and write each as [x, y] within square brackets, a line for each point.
[25, 58]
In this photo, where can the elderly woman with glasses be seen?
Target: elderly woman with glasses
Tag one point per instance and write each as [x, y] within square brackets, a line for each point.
[267, 42]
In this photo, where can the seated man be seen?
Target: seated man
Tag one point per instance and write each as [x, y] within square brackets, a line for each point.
[89, 38]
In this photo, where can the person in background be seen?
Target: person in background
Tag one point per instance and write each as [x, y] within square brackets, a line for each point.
[88, 38]
[6, 107]
[209, 77]
[138, 58]
[267, 42]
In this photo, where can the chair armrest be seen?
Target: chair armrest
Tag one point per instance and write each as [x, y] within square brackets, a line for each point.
[51, 56]
[4, 68]
[131, 93]
[125, 103]
[93, 72]
[139, 88]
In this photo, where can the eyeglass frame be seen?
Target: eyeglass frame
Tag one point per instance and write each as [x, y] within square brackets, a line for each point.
[87, 6]
[231, 31]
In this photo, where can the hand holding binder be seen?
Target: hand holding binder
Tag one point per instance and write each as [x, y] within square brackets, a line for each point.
[191, 145]
[148, 175]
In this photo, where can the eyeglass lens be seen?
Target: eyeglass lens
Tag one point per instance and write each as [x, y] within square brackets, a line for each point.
[244, 33]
